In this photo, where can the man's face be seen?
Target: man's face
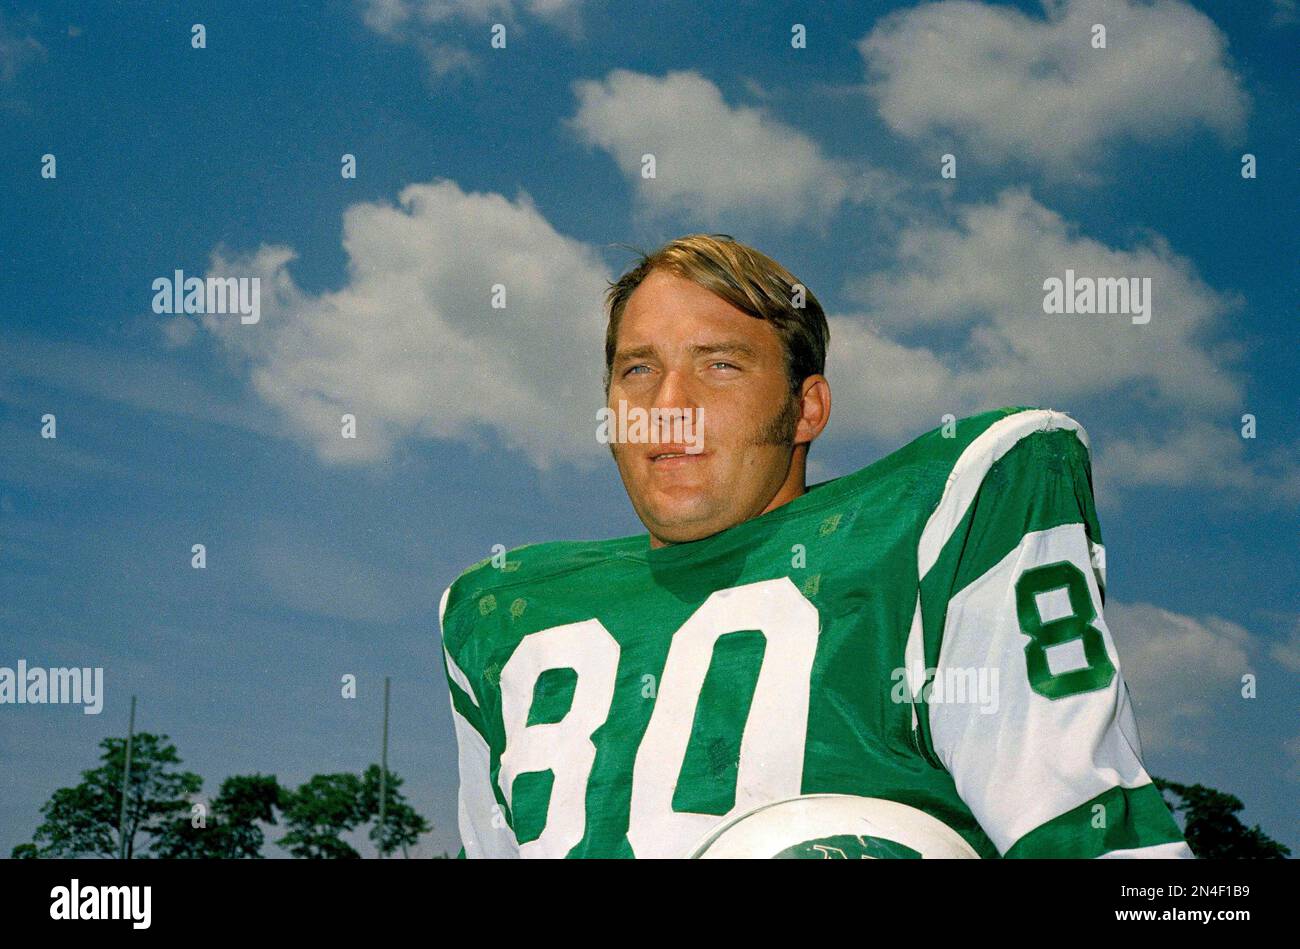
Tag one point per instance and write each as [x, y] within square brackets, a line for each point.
[681, 347]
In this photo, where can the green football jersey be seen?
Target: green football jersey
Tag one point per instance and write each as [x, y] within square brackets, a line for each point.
[926, 630]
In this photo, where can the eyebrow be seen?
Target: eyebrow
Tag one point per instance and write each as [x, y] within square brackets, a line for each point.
[634, 352]
[735, 347]
[732, 346]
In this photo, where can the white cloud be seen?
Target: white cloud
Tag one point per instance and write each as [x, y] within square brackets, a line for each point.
[715, 161]
[387, 17]
[444, 59]
[392, 17]
[885, 389]
[46, 464]
[1181, 672]
[18, 49]
[123, 377]
[1288, 653]
[423, 24]
[956, 324]
[412, 346]
[1014, 87]
[178, 332]
[1204, 453]
[977, 286]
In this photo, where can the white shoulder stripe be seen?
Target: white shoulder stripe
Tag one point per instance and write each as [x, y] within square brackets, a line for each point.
[482, 832]
[454, 670]
[1098, 563]
[968, 474]
[914, 657]
[459, 677]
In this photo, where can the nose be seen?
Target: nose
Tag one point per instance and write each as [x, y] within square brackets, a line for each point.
[675, 394]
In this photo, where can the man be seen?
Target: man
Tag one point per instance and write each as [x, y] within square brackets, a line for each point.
[766, 640]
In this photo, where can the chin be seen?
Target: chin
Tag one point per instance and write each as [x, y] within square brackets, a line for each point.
[684, 536]
[680, 527]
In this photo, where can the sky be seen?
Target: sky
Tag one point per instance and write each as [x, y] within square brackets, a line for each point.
[522, 165]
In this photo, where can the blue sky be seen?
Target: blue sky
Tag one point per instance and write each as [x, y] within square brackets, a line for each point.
[521, 166]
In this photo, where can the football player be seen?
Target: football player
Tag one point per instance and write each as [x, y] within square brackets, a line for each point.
[927, 630]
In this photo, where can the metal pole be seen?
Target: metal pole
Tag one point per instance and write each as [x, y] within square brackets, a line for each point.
[383, 773]
[126, 781]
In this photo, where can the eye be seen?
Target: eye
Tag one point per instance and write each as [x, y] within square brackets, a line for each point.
[725, 365]
[631, 369]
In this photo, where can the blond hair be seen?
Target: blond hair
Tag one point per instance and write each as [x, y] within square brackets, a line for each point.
[746, 278]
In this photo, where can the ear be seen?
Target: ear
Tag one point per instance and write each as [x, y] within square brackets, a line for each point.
[814, 409]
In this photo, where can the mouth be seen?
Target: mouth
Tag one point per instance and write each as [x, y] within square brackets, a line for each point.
[672, 456]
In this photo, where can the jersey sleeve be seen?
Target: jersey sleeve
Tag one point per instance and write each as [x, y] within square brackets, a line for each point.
[484, 830]
[1025, 704]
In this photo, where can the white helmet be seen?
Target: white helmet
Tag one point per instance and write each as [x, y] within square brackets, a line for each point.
[833, 826]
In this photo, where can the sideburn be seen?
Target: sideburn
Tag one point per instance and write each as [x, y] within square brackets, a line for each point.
[780, 429]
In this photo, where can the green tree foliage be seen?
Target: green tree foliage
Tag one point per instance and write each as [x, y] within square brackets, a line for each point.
[318, 812]
[1212, 828]
[329, 805]
[82, 821]
[233, 829]
[402, 825]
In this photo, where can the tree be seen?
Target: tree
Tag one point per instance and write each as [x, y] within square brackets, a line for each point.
[82, 821]
[1212, 828]
[402, 824]
[318, 812]
[232, 829]
[328, 805]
